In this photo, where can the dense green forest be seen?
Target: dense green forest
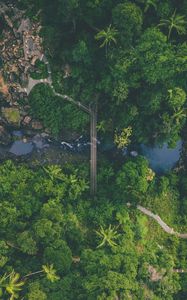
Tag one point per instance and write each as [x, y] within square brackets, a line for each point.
[56, 241]
[97, 249]
[130, 54]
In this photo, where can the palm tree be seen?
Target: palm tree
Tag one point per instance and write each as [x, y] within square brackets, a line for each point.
[48, 270]
[176, 22]
[107, 36]
[12, 284]
[150, 3]
[108, 236]
[50, 273]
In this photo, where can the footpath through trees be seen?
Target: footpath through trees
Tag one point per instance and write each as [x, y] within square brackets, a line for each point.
[164, 226]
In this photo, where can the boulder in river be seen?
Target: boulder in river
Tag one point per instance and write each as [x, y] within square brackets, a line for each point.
[36, 125]
[27, 120]
[20, 148]
[39, 142]
[11, 115]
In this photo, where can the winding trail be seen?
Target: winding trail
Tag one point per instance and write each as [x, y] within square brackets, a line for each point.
[164, 226]
[33, 82]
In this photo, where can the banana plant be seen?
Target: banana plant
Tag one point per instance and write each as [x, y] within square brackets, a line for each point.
[107, 236]
[54, 172]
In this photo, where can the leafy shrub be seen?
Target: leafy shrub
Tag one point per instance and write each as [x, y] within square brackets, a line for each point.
[55, 113]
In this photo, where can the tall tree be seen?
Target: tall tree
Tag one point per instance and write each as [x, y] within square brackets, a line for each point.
[108, 36]
[176, 22]
[12, 284]
[128, 19]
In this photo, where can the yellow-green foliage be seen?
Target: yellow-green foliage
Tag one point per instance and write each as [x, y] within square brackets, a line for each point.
[123, 139]
[12, 115]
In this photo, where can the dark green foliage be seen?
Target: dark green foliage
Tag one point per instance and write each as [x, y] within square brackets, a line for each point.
[155, 57]
[128, 19]
[26, 243]
[55, 112]
[35, 292]
[133, 177]
[40, 70]
[59, 255]
[47, 108]
[34, 220]
[149, 72]
[131, 58]
[131, 77]
[48, 219]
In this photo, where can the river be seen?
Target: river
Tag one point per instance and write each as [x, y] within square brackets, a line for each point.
[44, 149]
[162, 159]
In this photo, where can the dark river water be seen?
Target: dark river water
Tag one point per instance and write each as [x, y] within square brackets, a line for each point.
[161, 159]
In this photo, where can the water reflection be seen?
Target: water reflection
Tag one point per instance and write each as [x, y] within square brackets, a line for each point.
[21, 148]
[162, 159]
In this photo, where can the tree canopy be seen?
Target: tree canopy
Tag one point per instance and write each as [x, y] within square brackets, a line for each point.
[56, 241]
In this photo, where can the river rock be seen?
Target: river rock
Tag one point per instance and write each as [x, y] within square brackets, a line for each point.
[39, 142]
[27, 120]
[5, 137]
[27, 107]
[20, 148]
[11, 115]
[134, 153]
[23, 113]
[16, 103]
[12, 77]
[21, 95]
[36, 125]
[44, 135]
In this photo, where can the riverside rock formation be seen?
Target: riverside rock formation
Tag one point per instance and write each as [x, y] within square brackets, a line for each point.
[21, 47]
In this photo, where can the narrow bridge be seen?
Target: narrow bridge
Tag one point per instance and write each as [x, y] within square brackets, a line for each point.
[93, 148]
[91, 110]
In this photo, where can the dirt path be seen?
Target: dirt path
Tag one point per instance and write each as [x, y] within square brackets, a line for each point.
[164, 226]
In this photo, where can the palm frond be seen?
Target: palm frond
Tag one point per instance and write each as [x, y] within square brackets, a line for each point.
[108, 236]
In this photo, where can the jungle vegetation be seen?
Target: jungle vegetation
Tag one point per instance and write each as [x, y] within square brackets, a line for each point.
[56, 242]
